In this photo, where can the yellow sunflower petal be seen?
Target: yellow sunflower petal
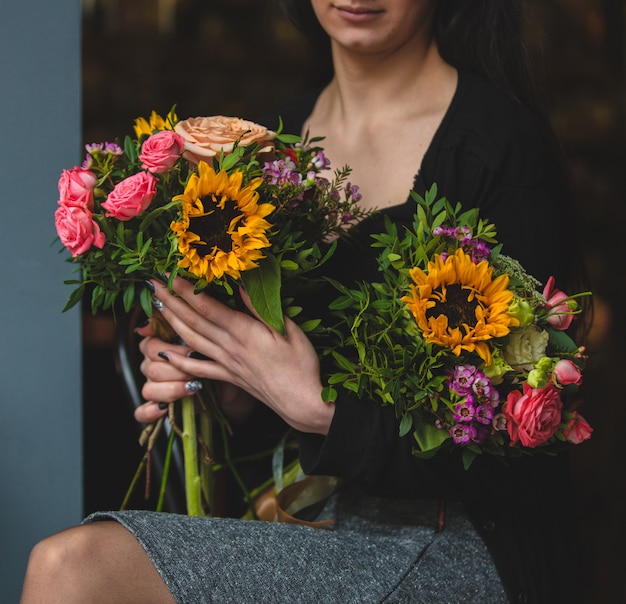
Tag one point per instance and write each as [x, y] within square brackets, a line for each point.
[222, 228]
[458, 304]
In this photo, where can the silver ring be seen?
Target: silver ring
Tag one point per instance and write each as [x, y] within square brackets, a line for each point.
[158, 305]
[193, 386]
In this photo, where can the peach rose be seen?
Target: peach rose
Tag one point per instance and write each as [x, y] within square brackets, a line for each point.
[534, 415]
[76, 188]
[205, 137]
[131, 196]
[77, 230]
[160, 151]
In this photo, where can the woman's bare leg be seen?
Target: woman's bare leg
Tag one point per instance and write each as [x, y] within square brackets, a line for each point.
[99, 562]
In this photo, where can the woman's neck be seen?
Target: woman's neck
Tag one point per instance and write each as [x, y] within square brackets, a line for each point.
[366, 89]
[380, 118]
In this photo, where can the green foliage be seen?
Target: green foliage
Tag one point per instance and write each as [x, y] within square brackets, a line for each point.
[380, 352]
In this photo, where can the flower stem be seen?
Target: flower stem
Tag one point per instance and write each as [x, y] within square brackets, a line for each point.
[133, 483]
[206, 472]
[166, 471]
[193, 490]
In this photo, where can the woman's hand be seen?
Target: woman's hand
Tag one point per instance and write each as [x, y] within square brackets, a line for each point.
[282, 372]
[165, 383]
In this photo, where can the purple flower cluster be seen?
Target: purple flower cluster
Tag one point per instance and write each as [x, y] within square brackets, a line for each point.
[319, 162]
[282, 172]
[475, 412]
[477, 250]
[97, 149]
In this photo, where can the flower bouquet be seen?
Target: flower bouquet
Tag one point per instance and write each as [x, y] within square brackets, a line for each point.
[219, 201]
[463, 343]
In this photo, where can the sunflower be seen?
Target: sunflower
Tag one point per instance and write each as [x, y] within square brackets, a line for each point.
[222, 229]
[458, 304]
[156, 122]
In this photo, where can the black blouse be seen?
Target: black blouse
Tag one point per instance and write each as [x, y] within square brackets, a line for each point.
[487, 153]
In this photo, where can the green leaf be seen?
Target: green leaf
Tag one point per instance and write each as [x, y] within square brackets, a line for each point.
[145, 299]
[339, 378]
[406, 423]
[560, 341]
[75, 297]
[429, 437]
[308, 326]
[341, 303]
[468, 457]
[343, 362]
[329, 395]
[130, 149]
[351, 386]
[129, 297]
[289, 138]
[293, 311]
[229, 161]
[289, 265]
[262, 285]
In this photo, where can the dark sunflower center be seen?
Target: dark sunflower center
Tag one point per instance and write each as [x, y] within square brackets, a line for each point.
[212, 229]
[456, 307]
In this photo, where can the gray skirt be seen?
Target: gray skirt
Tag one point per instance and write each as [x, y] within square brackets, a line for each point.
[377, 550]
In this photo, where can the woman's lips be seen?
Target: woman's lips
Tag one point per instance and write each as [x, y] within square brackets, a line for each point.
[357, 14]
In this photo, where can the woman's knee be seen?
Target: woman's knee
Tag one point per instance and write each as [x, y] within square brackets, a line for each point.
[66, 551]
[99, 562]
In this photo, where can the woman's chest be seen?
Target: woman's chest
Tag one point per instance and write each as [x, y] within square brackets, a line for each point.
[383, 162]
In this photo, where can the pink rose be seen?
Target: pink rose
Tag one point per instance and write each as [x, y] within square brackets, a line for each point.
[77, 230]
[567, 372]
[206, 137]
[131, 196]
[560, 316]
[534, 416]
[578, 430]
[160, 151]
[76, 187]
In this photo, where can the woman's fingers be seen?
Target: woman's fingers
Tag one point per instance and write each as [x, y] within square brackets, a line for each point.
[145, 329]
[149, 412]
[169, 392]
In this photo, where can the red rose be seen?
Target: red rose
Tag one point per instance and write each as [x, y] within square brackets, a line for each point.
[76, 188]
[567, 372]
[534, 415]
[578, 429]
[131, 196]
[77, 229]
[160, 151]
[560, 314]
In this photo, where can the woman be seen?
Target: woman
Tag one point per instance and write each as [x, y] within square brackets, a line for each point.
[423, 92]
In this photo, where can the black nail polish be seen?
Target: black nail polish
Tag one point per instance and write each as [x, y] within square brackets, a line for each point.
[143, 324]
[163, 406]
[164, 356]
[150, 285]
[178, 340]
[198, 356]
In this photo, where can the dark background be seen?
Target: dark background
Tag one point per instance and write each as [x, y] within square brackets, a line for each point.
[240, 58]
